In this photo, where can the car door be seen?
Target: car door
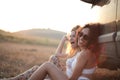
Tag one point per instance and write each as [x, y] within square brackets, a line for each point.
[110, 39]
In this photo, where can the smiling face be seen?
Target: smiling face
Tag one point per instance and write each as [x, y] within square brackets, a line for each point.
[83, 38]
[73, 39]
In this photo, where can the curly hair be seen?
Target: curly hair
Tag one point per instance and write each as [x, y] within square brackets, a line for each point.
[95, 32]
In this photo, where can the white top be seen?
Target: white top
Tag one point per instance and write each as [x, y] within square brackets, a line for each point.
[70, 65]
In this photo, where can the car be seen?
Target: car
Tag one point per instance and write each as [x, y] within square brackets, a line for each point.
[110, 38]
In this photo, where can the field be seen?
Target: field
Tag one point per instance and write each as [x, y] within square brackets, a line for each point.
[15, 58]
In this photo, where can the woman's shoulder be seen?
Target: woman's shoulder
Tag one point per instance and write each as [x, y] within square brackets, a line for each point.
[84, 53]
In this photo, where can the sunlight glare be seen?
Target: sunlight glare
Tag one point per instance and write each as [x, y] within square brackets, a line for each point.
[59, 15]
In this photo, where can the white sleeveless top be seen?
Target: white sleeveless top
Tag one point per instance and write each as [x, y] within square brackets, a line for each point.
[70, 65]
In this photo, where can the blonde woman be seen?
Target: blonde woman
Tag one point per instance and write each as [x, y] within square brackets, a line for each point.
[72, 47]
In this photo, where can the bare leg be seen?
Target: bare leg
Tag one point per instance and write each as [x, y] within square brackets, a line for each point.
[55, 60]
[25, 75]
[50, 69]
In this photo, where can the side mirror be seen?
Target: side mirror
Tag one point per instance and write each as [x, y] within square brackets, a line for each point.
[97, 2]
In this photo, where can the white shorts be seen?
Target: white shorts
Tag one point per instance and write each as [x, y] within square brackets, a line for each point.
[83, 78]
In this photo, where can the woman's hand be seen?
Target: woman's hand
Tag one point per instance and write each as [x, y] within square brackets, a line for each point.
[66, 38]
[54, 59]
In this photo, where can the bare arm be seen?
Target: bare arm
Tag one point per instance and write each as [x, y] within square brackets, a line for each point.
[60, 47]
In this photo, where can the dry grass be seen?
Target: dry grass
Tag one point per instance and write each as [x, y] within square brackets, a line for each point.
[16, 58]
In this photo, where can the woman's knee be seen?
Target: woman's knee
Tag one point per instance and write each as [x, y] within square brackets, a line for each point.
[47, 63]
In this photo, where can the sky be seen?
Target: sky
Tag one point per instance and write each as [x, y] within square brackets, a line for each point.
[60, 15]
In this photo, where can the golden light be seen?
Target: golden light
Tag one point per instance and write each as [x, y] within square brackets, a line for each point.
[52, 14]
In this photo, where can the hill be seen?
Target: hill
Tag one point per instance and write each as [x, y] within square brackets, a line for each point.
[46, 33]
[44, 37]
[5, 36]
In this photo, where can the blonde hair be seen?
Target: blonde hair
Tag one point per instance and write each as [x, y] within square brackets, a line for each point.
[69, 50]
